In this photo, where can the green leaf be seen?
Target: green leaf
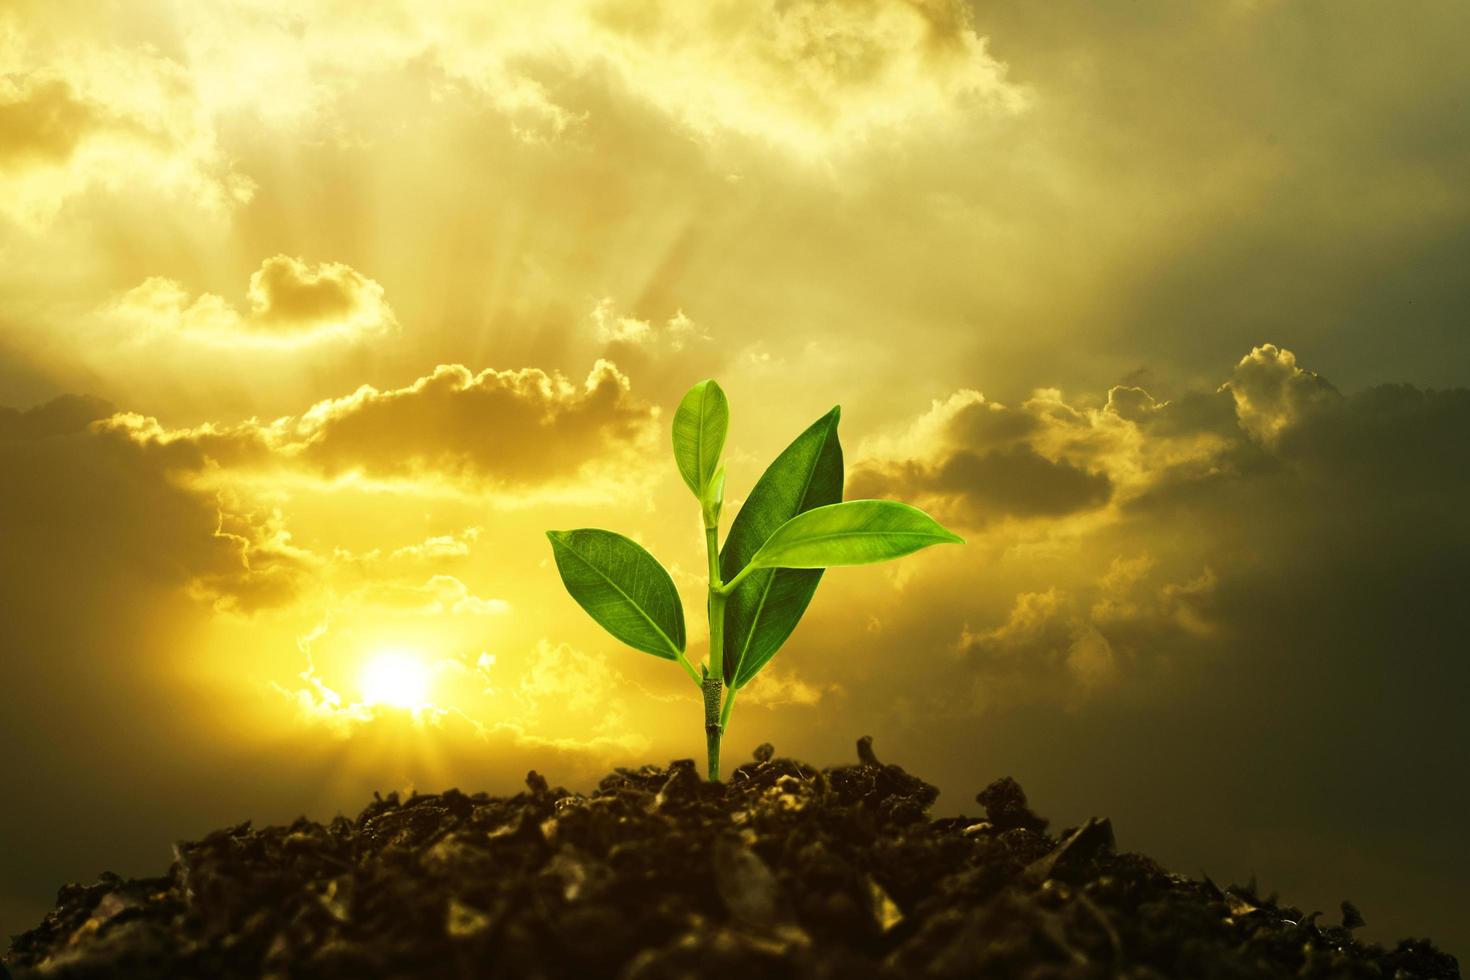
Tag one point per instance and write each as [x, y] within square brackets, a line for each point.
[700, 424]
[763, 610]
[856, 532]
[623, 587]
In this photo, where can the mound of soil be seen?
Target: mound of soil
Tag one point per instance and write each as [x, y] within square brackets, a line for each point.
[783, 871]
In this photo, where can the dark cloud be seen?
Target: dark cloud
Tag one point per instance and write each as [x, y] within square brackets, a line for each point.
[1020, 481]
[981, 487]
[108, 496]
[98, 539]
[63, 415]
[78, 493]
[1251, 657]
[975, 461]
[983, 425]
[1191, 414]
[1195, 186]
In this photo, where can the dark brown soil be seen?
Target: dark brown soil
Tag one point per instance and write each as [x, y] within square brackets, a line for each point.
[783, 871]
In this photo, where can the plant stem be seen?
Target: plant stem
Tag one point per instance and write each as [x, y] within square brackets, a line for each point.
[712, 546]
[714, 680]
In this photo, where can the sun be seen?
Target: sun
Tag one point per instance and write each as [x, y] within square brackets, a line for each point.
[395, 678]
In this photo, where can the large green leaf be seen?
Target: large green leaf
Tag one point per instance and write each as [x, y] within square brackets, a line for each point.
[763, 610]
[623, 587]
[855, 532]
[700, 424]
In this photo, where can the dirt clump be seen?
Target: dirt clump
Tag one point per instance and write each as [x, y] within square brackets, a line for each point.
[784, 870]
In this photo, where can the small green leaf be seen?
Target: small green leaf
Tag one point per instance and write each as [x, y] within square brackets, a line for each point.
[764, 609]
[855, 532]
[623, 587]
[700, 424]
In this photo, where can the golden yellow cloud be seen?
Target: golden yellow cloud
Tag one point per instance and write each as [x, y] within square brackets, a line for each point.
[614, 328]
[93, 115]
[512, 434]
[440, 595]
[509, 427]
[807, 75]
[290, 303]
[42, 121]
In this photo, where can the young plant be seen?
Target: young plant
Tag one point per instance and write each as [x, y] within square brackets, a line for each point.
[792, 527]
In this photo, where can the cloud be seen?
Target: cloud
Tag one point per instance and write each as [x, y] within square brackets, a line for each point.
[65, 465]
[270, 569]
[614, 329]
[147, 616]
[1142, 537]
[43, 121]
[1272, 394]
[511, 429]
[515, 427]
[440, 546]
[1264, 611]
[1066, 645]
[103, 546]
[1268, 586]
[977, 461]
[580, 688]
[774, 687]
[63, 415]
[438, 550]
[805, 75]
[1167, 208]
[290, 303]
[81, 479]
[231, 545]
[1015, 482]
[286, 295]
[441, 595]
[100, 116]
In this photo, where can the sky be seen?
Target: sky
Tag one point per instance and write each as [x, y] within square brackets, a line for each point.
[314, 317]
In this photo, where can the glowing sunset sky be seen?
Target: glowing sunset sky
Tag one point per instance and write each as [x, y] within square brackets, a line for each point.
[314, 317]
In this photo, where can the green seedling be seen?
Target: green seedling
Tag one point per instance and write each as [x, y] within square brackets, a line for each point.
[792, 527]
